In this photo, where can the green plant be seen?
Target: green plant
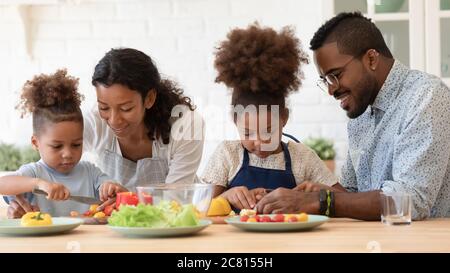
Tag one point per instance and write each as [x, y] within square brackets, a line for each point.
[12, 157]
[324, 148]
[382, 6]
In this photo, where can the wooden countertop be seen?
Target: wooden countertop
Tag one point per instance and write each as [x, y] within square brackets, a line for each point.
[338, 235]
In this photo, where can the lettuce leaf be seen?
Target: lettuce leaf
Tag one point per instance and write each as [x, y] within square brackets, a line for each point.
[186, 218]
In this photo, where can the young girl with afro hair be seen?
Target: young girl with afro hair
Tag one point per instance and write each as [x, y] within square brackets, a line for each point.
[261, 67]
[54, 102]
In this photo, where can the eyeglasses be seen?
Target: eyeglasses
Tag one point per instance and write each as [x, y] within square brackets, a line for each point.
[331, 80]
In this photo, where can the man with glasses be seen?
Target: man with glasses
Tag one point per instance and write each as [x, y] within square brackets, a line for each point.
[399, 128]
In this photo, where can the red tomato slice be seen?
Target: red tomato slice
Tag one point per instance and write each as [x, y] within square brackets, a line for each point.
[244, 218]
[278, 218]
[88, 213]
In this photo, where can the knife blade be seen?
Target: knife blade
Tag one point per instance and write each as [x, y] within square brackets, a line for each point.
[80, 199]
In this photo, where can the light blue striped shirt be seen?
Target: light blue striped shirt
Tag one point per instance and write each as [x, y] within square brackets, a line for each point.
[402, 142]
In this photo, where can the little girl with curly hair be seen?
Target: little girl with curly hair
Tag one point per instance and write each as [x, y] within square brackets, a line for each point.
[261, 67]
[54, 102]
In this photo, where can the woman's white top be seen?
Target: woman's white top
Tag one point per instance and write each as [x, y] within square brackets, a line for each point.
[181, 156]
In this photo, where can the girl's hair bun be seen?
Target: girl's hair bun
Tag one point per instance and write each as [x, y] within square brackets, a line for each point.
[258, 59]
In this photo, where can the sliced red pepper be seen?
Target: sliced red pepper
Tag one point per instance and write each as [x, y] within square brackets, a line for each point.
[147, 198]
[126, 198]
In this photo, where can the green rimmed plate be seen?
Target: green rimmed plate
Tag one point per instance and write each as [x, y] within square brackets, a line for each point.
[313, 221]
[161, 232]
[60, 225]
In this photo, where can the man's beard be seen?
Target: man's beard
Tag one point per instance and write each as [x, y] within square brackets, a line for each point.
[365, 95]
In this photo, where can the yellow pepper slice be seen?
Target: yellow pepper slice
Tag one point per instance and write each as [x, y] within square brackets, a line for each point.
[99, 215]
[36, 219]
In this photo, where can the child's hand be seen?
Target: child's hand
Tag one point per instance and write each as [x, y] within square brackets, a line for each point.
[258, 193]
[55, 191]
[109, 190]
[240, 197]
[309, 186]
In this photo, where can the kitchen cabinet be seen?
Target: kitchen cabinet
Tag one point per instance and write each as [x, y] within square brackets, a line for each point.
[416, 31]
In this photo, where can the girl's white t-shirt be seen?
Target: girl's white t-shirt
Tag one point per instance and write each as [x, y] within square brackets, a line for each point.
[227, 160]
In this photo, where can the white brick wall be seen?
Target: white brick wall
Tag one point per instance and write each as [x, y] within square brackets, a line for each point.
[179, 34]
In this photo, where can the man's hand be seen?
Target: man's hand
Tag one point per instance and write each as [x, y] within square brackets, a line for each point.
[284, 200]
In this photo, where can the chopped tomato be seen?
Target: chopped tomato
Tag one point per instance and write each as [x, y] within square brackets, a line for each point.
[88, 213]
[265, 219]
[278, 218]
[292, 219]
[244, 218]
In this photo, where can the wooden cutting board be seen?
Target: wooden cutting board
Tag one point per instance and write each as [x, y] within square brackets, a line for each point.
[93, 221]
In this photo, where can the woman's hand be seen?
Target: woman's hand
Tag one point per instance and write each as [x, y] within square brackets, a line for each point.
[109, 189]
[19, 206]
[108, 192]
[55, 191]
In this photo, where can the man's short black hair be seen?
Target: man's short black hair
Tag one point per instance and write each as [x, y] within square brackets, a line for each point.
[354, 34]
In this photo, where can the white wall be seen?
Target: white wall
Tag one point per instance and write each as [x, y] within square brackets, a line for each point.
[179, 34]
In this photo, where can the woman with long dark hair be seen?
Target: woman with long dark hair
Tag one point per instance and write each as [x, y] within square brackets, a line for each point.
[144, 131]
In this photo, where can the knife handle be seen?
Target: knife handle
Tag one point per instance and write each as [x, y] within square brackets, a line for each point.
[38, 191]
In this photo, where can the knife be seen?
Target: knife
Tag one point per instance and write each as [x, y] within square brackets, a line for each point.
[80, 199]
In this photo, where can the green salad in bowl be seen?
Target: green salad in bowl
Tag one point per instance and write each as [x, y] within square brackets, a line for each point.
[166, 214]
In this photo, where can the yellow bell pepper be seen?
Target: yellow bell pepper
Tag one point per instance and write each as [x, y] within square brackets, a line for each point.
[219, 207]
[175, 206]
[99, 215]
[93, 208]
[35, 219]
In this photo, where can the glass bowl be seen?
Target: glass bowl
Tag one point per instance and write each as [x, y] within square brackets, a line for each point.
[199, 195]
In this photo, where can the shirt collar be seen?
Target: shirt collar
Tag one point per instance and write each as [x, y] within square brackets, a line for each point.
[391, 86]
[51, 170]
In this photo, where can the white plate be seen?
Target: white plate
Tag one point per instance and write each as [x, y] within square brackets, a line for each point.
[160, 232]
[60, 224]
[313, 221]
